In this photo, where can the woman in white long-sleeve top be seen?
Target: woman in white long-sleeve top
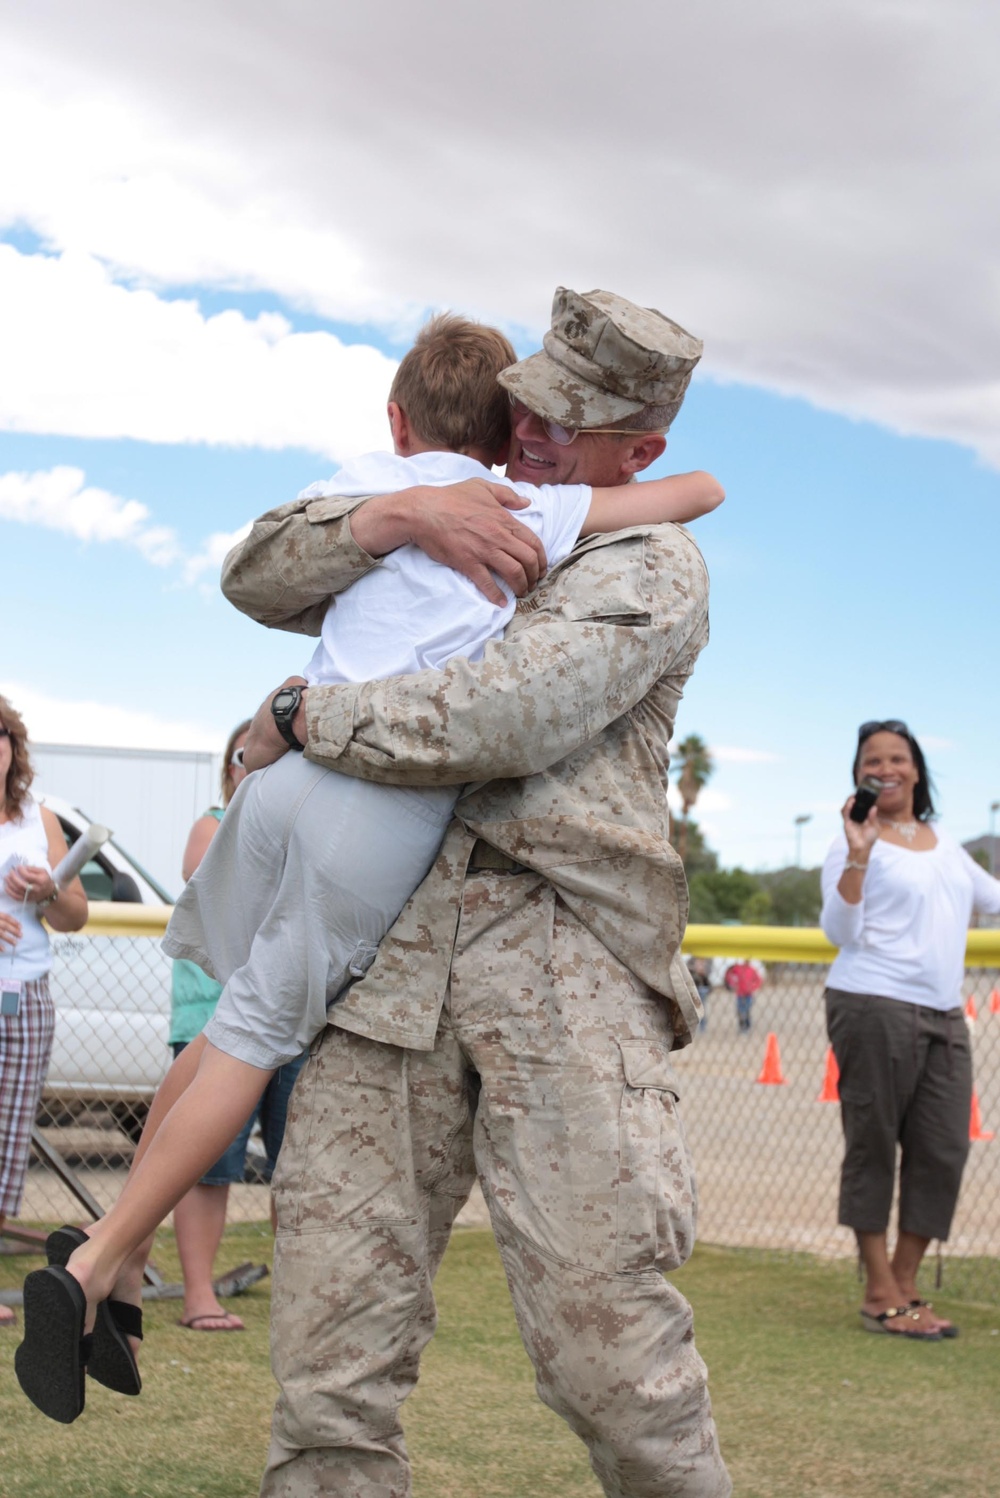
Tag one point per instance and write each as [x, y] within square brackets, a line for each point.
[898, 895]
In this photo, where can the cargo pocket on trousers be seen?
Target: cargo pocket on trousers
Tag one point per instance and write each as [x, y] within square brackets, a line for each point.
[855, 1113]
[656, 1206]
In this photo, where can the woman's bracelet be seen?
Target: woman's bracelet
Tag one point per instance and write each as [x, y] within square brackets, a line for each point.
[49, 900]
[850, 864]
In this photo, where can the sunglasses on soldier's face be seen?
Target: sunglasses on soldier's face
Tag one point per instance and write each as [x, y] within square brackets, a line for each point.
[563, 436]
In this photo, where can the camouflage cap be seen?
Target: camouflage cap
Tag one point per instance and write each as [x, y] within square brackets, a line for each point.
[604, 359]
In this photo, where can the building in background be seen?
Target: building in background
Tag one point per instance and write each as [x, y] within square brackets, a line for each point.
[148, 797]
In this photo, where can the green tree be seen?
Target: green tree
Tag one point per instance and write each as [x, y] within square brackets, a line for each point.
[758, 910]
[693, 767]
[699, 857]
[724, 895]
[795, 894]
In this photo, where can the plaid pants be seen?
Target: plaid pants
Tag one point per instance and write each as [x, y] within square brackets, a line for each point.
[25, 1048]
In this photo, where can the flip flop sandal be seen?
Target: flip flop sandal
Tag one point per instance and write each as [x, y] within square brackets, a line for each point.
[946, 1328]
[191, 1324]
[112, 1361]
[50, 1361]
[877, 1323]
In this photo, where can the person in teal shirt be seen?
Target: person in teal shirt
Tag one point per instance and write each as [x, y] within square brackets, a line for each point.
[200, 1217]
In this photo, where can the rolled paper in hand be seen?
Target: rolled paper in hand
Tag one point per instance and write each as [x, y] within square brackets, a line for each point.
[81, 852]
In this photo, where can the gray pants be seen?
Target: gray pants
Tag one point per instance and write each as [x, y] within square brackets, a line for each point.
[551, 1080]
[905, 1078]
[307, 872]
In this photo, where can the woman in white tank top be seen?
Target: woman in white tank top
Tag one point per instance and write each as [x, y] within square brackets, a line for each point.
[31, 844]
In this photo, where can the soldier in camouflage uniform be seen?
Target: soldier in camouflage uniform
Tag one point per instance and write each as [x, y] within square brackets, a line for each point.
[518, 1020]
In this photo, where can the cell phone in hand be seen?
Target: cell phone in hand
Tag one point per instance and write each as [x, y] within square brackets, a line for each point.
[865, 797]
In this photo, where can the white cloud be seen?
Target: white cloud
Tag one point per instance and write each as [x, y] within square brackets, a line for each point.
[727, 754]
[60, 499]
[54, 720]
[133, 364]
[802, 186]
[213, 553]
[708, 800]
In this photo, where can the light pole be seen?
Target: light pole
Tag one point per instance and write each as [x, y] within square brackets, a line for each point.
[800, 822]
[994, 808]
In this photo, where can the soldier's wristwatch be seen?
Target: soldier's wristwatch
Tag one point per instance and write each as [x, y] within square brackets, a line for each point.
[284, 706]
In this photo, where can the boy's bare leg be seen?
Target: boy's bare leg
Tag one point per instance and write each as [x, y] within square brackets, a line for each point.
[128, 1285]
[197, 1113]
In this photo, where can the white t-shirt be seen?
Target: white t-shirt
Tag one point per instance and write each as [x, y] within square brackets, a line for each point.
[411, 613]
[906, 938]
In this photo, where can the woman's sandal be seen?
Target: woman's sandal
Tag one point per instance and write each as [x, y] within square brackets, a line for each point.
[946, 1328]
[112, 1361]
[879, 1323]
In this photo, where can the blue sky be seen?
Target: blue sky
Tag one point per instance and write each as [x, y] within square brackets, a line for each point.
[196, 329]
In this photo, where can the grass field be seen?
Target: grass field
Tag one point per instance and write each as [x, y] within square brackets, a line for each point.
[808, 1405]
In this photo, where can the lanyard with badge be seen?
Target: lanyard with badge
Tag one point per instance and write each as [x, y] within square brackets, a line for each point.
[10, 987]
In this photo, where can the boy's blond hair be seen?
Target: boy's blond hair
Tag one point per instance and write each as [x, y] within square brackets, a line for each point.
[447, 385]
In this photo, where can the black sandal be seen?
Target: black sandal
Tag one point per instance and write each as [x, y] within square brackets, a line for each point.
[112, 1361]
[946, 1328]
[877, 1323]
[50, 1362]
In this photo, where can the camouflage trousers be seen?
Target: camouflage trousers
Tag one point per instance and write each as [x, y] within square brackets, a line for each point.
[551, 1079]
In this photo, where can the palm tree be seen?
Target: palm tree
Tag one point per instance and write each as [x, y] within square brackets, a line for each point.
[693, 766]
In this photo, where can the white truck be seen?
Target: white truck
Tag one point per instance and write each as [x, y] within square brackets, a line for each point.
[112, 997]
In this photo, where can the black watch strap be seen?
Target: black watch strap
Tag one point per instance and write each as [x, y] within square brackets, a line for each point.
[284, 706]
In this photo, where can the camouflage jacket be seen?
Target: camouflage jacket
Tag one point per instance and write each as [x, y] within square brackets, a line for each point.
[558, 735]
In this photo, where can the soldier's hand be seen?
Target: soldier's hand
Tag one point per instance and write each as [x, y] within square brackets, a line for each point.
[469, 526]
[264, 743]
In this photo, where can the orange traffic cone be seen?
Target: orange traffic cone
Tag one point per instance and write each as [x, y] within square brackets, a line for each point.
[971, 1012]
[831, 1077]
[976, 1130]
[771, 1070]
[995, 1001]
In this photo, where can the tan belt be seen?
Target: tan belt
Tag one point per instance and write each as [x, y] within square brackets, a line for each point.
[486, 857]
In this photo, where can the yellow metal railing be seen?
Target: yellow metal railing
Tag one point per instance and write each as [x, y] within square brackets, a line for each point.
[805, 944]
[769, 943]
[107, 918]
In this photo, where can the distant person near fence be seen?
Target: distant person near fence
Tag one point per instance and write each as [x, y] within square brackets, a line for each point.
[31, 844]
[898, 895]
[743, 981]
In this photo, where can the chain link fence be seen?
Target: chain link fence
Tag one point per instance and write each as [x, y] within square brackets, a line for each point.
[767, 1152]
[111, 987]
[765, 1134]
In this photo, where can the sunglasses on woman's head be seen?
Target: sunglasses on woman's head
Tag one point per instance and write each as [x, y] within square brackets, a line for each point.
[4, 733]
[891, 725]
